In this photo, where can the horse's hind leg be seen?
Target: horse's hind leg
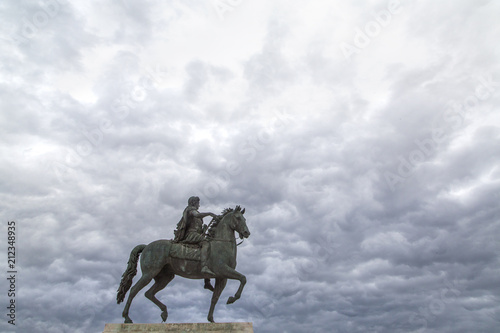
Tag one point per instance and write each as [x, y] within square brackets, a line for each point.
[161, 281]
[143, 281]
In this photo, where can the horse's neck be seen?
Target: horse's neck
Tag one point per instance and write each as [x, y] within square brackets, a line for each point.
[223, 230]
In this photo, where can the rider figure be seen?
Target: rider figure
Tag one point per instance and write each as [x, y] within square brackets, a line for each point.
[191, 230]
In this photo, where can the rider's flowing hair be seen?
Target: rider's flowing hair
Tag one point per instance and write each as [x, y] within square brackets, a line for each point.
[129, 273]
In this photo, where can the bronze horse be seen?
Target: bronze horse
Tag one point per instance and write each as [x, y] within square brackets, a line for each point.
[158, 264]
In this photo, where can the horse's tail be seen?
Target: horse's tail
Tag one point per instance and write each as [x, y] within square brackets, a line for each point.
[129, 273]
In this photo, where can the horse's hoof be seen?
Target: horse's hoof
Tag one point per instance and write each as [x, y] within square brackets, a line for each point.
[231, 300]
[128, 321]
[208, 286]
[211, 319]
[164, 316]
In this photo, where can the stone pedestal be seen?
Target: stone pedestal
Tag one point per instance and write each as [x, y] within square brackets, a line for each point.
[180, 328]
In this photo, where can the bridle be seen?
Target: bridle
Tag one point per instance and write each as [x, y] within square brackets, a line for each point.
[221, 240]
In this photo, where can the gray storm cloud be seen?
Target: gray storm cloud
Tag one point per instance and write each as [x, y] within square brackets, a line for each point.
[362, 139]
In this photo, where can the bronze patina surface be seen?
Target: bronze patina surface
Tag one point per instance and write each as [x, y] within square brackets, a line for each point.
[197, 252]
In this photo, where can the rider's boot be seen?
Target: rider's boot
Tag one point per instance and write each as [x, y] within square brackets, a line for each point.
[204, 259]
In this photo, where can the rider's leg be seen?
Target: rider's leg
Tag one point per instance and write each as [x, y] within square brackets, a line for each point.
[204, 259]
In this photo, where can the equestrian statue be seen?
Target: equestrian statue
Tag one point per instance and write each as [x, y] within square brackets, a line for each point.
[197, 251]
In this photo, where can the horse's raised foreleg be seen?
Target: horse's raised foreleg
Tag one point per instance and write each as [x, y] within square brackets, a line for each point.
[233, 274]
[161, 281]
[220, 284]
[143, 281]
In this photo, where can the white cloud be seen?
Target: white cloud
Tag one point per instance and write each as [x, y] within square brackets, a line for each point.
[114, 113]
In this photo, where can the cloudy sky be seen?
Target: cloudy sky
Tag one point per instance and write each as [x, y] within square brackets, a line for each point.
[361, 136]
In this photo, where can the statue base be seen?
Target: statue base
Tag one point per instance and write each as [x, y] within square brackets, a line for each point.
[184, 328]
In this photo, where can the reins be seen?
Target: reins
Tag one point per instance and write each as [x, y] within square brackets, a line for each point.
[226, 240]
[221, 240]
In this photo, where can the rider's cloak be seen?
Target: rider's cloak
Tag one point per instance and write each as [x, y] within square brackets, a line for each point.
[180, 232]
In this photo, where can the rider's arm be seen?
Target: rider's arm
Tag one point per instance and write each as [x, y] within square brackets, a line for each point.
[201, 215]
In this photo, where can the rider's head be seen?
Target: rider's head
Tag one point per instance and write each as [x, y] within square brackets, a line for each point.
[194, 201]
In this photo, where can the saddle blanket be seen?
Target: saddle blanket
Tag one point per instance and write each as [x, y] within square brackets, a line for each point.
[185, 251]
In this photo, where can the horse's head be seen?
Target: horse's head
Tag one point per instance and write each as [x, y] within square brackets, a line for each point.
[239, 223]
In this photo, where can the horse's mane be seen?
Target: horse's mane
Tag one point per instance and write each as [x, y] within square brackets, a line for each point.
[213, 227]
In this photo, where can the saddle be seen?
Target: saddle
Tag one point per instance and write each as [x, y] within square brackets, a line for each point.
[186, 251]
